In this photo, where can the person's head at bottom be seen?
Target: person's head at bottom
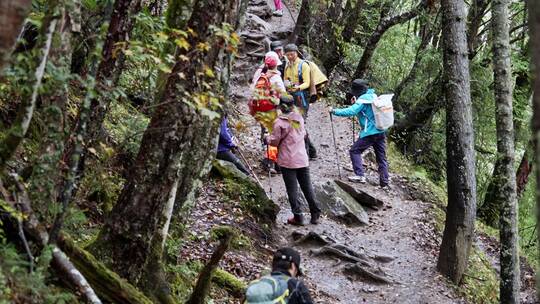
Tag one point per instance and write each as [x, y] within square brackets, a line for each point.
[287, 260]
[286, 104]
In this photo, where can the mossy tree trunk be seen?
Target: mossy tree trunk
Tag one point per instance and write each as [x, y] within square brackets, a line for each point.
[202, 287]
[505, 179]
[12, 15]
[174, 155]
[36, 70]
[460, 155]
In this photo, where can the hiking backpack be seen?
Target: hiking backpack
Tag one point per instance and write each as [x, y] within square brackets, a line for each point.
[318, 80]
[268, 289]
[383, 111]
[263, 94]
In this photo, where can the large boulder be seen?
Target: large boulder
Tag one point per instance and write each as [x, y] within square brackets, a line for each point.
[254, 197]
[254, 23]
[339, 204]
[360, 195]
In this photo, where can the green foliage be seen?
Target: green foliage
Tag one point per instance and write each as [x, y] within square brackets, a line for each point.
[527, 223]
[480, 282]
[17, 285]
[125, 126]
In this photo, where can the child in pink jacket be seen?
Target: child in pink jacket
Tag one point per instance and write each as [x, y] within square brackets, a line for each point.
[288, 135]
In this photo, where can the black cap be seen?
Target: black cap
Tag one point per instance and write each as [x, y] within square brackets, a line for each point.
[276, 45]
[358, 87]
[291, 47]
[290, 255]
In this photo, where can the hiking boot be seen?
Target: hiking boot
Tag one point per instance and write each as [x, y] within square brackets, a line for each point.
[357, 179]
[296, 220]
[315, 218]
[385, 188]
[278, 13]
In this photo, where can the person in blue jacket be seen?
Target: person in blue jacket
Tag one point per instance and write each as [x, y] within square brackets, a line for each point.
[226, 145]
[362, 97]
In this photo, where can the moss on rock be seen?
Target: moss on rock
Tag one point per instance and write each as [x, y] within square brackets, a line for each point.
[252, 197]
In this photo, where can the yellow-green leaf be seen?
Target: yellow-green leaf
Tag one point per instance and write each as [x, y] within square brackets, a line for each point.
[182, 43]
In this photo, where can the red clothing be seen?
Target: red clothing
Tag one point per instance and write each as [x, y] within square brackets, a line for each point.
[288, 135]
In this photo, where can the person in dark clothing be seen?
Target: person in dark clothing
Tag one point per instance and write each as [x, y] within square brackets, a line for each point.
[288, 135]
[282, 285]
[286, 262]
[226, 145]
[277, 46]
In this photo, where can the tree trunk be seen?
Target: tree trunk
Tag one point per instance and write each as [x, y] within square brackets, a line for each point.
[476, 14]
[506, 198]
[109, 69]
[301, 29]
[460, 155]
[17, 132]
[12, 15]
[200, 291]
[384, 24]
[174, 155]
[350, 23]
[534, 24]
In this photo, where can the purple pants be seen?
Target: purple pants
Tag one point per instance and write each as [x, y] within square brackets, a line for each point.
[379, 145]
[277, 3]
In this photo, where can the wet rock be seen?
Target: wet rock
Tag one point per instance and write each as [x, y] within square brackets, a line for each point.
[254, 23]
[339, 204]
[259, 204]
[261, 9]
[360, 195]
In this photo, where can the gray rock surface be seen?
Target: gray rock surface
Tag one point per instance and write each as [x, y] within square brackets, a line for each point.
[337, 203]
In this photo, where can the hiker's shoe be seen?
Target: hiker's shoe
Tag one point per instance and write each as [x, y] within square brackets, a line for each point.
[385, 188]
[278, 13]
[357, 179]
[296, 221]
[315, 218]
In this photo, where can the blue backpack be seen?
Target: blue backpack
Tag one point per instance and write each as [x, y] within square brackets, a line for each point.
[268, 289]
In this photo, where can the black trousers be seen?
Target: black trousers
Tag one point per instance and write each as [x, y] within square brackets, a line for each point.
[230, 157]
[293, 177]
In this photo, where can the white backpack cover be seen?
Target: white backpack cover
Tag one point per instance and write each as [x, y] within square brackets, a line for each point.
[383, 111]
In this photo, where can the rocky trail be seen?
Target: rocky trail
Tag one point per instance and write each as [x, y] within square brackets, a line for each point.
[390, 258]
[383, 250]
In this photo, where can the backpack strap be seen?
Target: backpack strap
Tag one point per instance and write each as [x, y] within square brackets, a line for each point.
[300, 71]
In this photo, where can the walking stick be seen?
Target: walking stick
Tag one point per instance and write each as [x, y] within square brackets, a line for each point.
[249, 167]
[335, 146]
[353, 130]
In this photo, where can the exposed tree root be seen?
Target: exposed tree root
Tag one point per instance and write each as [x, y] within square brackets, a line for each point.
[372, 274]
[312, 238]
[336, 252]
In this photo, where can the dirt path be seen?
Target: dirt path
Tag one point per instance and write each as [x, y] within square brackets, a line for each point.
[392, 231]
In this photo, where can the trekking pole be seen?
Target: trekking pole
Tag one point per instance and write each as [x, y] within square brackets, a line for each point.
[249, 167]
[335, 146]
[353, 130]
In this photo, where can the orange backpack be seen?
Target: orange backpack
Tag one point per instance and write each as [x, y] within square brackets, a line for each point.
[261, 101]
